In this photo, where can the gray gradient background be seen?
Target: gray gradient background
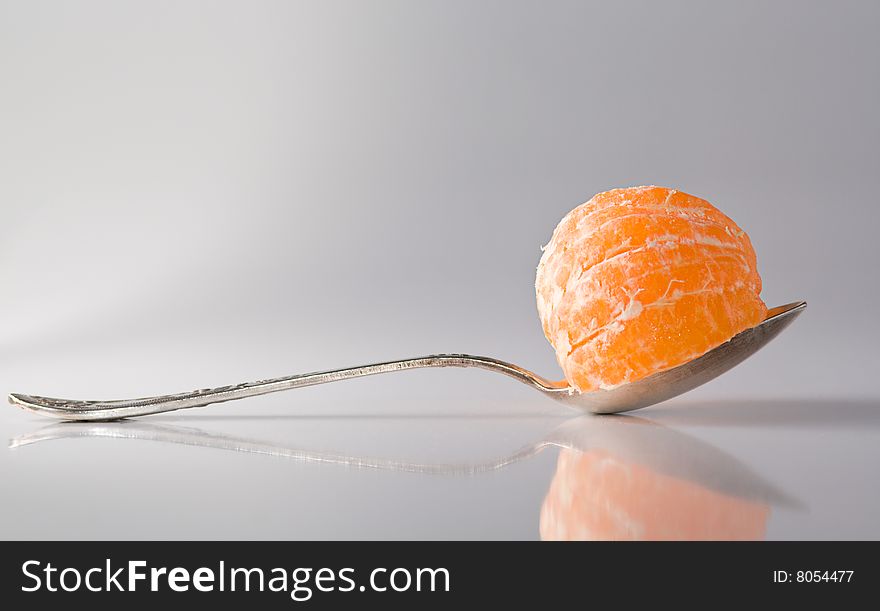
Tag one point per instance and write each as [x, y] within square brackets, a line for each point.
[201, 193]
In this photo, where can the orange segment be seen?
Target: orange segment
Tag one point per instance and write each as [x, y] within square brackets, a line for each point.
[643, 279]
[595, 496]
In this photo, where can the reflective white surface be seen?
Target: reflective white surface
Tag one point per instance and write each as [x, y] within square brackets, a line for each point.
[400, 470]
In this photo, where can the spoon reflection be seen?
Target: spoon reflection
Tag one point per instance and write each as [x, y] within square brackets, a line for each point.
[191, 436]
[617, 477]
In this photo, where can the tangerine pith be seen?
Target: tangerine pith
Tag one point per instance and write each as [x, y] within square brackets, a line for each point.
[640, 280]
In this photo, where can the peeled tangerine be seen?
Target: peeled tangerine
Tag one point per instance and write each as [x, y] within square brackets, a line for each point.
[639, 280]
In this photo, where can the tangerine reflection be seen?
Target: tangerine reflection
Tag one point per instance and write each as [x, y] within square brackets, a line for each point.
[595, 495]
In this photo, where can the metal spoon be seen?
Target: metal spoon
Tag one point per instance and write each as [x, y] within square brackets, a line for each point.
[647, 391]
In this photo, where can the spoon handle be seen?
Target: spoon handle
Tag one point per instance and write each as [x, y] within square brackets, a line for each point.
[111, 410]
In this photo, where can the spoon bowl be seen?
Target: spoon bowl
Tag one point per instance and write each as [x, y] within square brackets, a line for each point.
[679, 380]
